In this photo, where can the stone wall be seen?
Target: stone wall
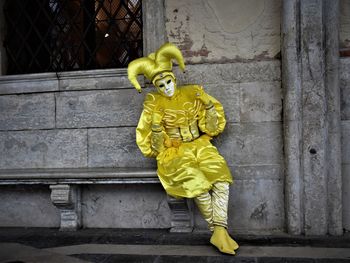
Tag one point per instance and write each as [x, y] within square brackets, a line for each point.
[87, 119]
[77, 126]
[345, 120]
[252, 142]
[216, 37]
[28, 206]
[75, 120]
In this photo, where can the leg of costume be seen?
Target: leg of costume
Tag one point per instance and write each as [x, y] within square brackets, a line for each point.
[205, 206]
[214, 207]
[220, 194]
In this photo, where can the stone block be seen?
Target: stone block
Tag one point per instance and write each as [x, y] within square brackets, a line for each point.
[115, 147]
[251, 143]
[260, 101]
[345, 139]
[43, 149]
[99, 108]
[67, 198]
[257, 205]
[346, 196]
[248, 172]
[125, 206]
[254, 205]
[27, 111]
[229, 73]
[28, 83]
[228, 95]
[95, 79]
[345, 88]
[27, 206]
[182, 220]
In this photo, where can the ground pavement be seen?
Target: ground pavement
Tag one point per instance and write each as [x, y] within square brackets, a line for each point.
[34, 245]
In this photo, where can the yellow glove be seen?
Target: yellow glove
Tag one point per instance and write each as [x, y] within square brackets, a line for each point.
[158, 135]
[211, 118]
[202, 96]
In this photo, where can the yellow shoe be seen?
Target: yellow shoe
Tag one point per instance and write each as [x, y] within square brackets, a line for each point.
[222, 240]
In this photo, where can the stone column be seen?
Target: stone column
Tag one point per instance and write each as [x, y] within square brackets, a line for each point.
[335, 224]
[311, 116]
[154, 35]
[67, 199]
[291, 81]
[181, 214]
[314, 122]
[2, 36]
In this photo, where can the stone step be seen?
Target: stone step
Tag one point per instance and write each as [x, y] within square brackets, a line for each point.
[18, 253]
[188, 253]
[52, 237]
[157, 245]
[108, 253]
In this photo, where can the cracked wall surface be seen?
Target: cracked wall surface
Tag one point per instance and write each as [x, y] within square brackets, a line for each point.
[224, 31]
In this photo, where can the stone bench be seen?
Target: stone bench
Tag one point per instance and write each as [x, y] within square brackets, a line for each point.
[66, 193]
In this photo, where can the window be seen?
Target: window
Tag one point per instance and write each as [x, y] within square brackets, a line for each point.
[65, 35]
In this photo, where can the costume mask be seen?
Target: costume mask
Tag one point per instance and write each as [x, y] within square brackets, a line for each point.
[166, 86]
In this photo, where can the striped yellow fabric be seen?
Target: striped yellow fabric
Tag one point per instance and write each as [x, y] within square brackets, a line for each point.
[220, 195]
[204, 204]
[214, 206]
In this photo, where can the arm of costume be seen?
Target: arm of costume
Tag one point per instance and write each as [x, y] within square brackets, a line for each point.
[145, 137]
[212, 117]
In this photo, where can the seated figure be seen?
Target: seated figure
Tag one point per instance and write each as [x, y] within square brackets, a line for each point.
[175, 127]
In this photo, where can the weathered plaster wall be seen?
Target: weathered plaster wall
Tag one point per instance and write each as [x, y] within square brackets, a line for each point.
[224, 31]
[344, 31]
[345, 117]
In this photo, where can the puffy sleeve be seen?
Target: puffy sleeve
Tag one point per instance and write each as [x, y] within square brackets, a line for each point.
[143, 130]
[211, 118]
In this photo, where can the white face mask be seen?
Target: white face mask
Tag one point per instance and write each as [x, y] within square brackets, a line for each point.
[166, 86]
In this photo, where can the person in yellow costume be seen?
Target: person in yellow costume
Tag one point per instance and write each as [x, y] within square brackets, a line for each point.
[175, 127]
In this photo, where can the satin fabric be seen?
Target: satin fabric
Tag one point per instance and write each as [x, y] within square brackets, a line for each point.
[187, 166]
[155, 64]
[214, 206]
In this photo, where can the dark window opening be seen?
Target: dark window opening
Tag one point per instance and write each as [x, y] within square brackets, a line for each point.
[65, 35]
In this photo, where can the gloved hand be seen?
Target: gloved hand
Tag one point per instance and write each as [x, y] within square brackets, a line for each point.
[211, 118]
[204, 98]
[158, 135]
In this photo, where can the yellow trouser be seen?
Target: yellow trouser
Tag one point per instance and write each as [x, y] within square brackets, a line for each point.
[214, 206]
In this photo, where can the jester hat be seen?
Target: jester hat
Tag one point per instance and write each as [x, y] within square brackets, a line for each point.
[156, 65]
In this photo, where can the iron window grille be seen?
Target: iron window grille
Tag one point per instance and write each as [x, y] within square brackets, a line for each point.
[65, 35]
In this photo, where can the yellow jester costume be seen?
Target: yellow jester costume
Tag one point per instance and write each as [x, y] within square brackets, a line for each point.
[175, 127]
